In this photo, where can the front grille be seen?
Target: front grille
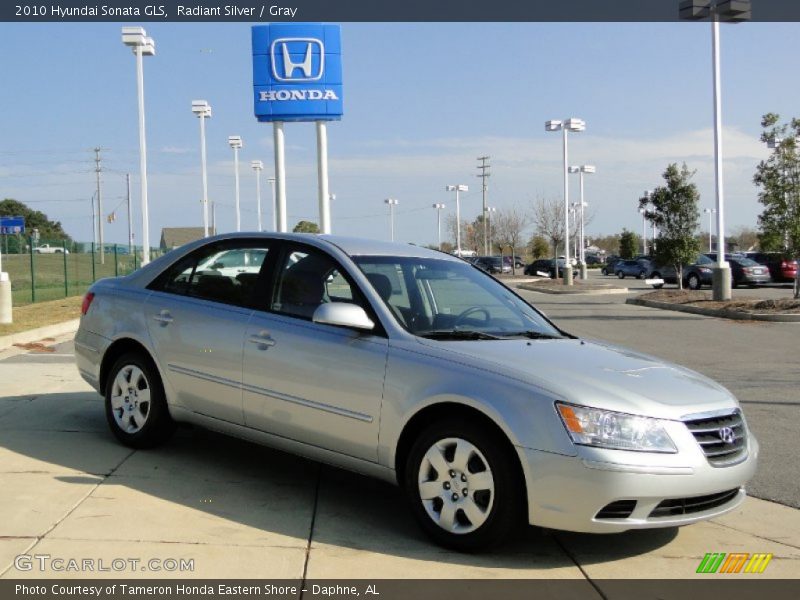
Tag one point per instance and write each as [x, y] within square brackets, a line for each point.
[685, 506]
[710, 433]
[621, 509]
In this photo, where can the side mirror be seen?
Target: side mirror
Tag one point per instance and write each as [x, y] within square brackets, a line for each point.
[343, 314]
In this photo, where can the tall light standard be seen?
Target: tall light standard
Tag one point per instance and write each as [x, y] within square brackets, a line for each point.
[392, 202]
[258, 166]
[643, 212]
[648, 194]
[581, 169]
[731, 11]
[710, 212]
[439, 208]
[235, 142]
[575, 125]
[274, 204]
[202, 109]
[459, 187]
[489, 211]
[137, 39]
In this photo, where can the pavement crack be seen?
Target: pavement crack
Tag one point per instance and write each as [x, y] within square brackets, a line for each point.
[760, 537]
[580, 568]
[311, 530]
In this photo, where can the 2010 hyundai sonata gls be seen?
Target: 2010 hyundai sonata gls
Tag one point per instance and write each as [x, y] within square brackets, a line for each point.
[416, 367]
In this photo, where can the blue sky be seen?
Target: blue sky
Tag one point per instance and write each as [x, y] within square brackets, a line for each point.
[422, 101]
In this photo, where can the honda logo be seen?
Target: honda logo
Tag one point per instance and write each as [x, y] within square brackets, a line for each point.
[281, 51]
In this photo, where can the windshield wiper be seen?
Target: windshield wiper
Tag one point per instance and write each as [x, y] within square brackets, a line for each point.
[458, 334]
[534, 335]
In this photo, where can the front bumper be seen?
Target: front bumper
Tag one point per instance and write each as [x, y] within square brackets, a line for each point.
[568, 492]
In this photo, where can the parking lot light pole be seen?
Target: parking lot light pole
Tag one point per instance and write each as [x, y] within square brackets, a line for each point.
[643, 212]
[710, 212]
[571, 124]
[581, 169]
[439, 208]
[258, 166]
[235, 142]
[460, 187]
[392, 202]
[137, 39]
[202, 110]
[489, 211]
[731, 11]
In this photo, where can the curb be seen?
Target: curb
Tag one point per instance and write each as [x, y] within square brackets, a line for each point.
[591, 292]
[721, 313]
[34, 335]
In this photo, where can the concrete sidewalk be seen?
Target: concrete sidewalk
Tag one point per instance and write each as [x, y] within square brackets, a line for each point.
[69, 490]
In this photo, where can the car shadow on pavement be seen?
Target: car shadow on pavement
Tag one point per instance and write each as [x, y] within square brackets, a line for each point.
[203, 487]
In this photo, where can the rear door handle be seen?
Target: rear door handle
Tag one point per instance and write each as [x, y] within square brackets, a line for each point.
[263, 340]
[163, 317]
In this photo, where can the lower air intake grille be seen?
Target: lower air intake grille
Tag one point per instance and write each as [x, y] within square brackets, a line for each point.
[686, 506]
[621, 509]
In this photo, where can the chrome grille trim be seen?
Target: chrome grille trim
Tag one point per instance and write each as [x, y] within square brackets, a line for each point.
[705, 429]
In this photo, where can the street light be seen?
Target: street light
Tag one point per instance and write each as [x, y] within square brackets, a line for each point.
[137, 39]
[235, 142]
[202, 109]
[575, 125]
[439, 208]
[710, 212]
[489, 211]
[731, 11]
[274, 204]
[459, 187]
[649, 195]
[643, 212]
[392, 203]
[581, 169]
[258, 166]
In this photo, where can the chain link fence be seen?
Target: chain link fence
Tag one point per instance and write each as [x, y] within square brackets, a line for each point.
[43, 269]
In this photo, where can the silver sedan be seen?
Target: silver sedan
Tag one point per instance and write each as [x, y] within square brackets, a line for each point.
[413, 366]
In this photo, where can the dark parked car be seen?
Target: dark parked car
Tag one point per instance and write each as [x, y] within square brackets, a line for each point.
[518, 262]
[745, 271]
[547, 265]
[638, 268]
[695, 275]
[492, 264]
[608, 268]
[782, 267]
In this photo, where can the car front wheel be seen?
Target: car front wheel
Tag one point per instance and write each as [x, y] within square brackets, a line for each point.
[621, 275]
[693, 281]
[136, 408]
[462, 485]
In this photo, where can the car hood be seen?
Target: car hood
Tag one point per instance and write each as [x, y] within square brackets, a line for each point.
[595, 374]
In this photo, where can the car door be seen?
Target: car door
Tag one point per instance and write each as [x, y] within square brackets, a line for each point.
[197, 316]
[314, 383]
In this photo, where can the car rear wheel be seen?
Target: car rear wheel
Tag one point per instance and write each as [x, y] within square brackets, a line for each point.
[604, 271]
[462, 485]
[136, 408]
[642, 275]
[693, 282]
[620, 274]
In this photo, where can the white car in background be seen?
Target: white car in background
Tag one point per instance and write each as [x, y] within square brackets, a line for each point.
[48, 249]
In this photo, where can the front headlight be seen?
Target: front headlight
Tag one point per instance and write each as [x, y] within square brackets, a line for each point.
[606, 429]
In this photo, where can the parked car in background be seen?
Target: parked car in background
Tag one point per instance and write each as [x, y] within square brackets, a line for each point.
[516, 262]
[745, 271]
[782, 267]
[547, 266]
[593, 259]
[695, 275]
[48, 249]
[638, 268]
[492, 264]
[608, 268]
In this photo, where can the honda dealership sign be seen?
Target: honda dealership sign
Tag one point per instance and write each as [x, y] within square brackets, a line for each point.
[297, 72]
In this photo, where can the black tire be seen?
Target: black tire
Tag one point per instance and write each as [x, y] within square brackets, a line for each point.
[642, 275]
[507, 506]
[693, 281]
[604, 271]
[158, 425]
[620, 274]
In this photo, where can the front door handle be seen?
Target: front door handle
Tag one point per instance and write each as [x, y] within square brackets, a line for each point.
[163, 317]
[263, 340]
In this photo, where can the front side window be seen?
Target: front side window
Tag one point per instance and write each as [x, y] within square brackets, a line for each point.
[441, 298]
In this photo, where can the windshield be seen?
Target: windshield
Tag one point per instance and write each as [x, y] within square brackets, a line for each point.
[433, 298]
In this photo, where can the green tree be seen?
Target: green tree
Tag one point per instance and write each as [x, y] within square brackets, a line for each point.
[675, 212]
[538, 247]
[34, 219]
[778, 180]
[306, 227]
[628, 243]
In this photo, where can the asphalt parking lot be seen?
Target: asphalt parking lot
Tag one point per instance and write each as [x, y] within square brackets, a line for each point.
[243, 511]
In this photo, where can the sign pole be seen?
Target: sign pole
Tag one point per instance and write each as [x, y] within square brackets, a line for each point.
[280, 174]
[322, 174]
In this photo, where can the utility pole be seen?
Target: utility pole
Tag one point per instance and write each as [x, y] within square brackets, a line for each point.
[97, 170]
[130, 216]
[484, 173]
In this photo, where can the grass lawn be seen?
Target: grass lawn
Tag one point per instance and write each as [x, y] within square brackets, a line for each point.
[42, 314]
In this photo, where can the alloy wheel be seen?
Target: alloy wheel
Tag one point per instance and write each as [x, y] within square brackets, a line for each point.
[130, 399]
